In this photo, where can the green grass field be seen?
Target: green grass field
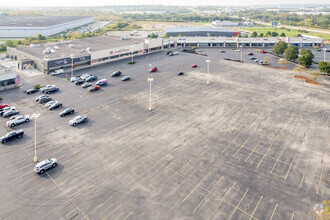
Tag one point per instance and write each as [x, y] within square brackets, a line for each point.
[288, 33]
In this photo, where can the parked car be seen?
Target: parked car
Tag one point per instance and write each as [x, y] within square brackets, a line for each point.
[90, 78]
[77, 120]
[84, 76]
[180, 73]
[30, 91]
[194, 65]
[257, 60]
[66, 112]
[222, 51]
[40, 97]
[198, 50]
[74, 79]
[10, 113]
[55, 105]
[44, 165]
[12, 136]
[252, 58]
[57, 72]
[16, 120]
[237, 50]
[94, 88]
[79, 81]
[46, 87]
[101, 82]
[51, 90]
[153, 69]
[125, 78]
[50, 103]
[85, 85]
[175, 53]
[116, 73]
[262, 51]
[170, 54]
[250, 54]
[6, 109]
[45, 99]
[3, 106]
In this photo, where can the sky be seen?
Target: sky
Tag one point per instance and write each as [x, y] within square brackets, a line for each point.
[43, 3]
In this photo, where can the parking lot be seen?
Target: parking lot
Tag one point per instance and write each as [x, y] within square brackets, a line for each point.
[252, 144]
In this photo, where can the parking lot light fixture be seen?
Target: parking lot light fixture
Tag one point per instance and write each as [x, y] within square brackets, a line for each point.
[150, 80]
[241, 46]
[132, 49]
[324, 51]
[208, 71]
[72, 57]
[35, 116]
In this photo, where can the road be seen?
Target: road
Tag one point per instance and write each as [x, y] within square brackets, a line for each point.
[292, 27]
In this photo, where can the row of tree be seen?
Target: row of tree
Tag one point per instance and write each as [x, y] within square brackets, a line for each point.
[268, 34]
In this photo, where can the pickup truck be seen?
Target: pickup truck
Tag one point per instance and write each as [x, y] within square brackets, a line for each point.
[12, 136]
[77, 120]
[16, 120]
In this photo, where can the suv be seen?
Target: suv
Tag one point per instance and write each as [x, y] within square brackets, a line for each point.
[45, 165]
[77, 120]
[12, 136]
[50, 90]
[16, 120]
[117, 73]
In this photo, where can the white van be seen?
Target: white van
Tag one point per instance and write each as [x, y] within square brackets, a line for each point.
[57, 72]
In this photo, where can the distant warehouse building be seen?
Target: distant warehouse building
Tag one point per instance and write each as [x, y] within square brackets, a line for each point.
[200, 32]
[31, 26]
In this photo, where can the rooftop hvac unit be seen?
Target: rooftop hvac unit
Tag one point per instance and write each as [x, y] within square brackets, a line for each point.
[56, 47]
[48, 48]
[71, 45]
[46, 52]
[88, 49]
[52, 51]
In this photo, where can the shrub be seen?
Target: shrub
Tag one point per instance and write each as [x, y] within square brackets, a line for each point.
[37, 86]
[168, 52]
[130, 62]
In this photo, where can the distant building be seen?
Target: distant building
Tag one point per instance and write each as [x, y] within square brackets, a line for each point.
[9, 79]
[31, 26]
[231, 23]
[200, 32]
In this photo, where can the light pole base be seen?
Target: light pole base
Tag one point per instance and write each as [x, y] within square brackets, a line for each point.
[35, 159]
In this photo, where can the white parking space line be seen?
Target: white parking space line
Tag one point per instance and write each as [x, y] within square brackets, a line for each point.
[238, 204]
[271, 217]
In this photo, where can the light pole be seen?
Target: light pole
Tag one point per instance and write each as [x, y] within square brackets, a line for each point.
[324, 51]
[241, 46]
[150, 80]
[132, 47]
[208, 71]
[72, 57]
[35, 116]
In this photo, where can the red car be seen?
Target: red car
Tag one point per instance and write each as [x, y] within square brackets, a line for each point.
[94, 88]
[194, 66]
[262, 51]
[3, 105]
[153, 69]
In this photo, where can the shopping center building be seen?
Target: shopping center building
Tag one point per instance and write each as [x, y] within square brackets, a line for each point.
[93, 51]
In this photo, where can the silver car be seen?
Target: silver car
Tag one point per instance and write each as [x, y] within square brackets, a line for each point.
[77, 120]
[44, 165]
[50, 103]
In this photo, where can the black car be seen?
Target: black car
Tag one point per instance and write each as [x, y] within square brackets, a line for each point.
[40, 97]
[115, 74]
[55, 105]
[79, 82]
[12, 136]
[10, 113]
[90, 78]
[67, 112]
[180, 73]
[170, 54]
[250, 54]
[125, 78]
[30, 91]
[51, 89]
[44, 100]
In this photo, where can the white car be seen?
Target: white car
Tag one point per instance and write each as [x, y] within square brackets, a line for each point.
[77, 120]
[74, 79]
[16, 120]
[198, 50]
[176, 53]
[84, 76]
[46, 87]
[238, 50]
[44, 165]
[57, 72]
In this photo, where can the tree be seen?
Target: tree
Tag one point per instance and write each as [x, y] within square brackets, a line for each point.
[274, 34]
[245, 35]
[283, 34]
[306, 58]
[254, 34]
[152, 35]
[40, 37]
[261, 35]
[180, 35]
[166, 35]
[268, 34]
[324, 67]
[279, 48]
[10, 43]
[299, 69]
[291, 53]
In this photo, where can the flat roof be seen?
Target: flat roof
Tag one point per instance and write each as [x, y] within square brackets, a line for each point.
[195, 29]
[37, 21]
[64, 49]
